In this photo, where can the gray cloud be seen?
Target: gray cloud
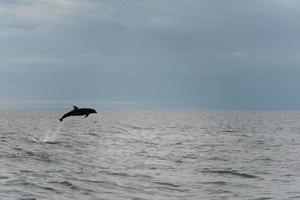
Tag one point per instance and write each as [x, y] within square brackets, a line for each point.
[208, 54]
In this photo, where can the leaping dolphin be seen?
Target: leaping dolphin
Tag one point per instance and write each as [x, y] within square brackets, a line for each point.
[78, 111]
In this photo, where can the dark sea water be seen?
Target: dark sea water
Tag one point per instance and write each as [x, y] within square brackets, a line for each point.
[150, 155]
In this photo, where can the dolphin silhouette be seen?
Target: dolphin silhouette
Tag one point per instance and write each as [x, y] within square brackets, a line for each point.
[78, 111]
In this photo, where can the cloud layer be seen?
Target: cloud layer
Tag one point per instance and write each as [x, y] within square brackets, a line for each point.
[173, 53]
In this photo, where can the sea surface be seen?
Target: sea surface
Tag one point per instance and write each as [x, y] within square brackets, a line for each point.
[150, 155]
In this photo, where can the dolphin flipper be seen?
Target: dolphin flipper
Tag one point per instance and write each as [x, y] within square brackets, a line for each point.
[86, 115]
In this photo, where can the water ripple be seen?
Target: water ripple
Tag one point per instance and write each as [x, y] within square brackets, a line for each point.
[150, 155]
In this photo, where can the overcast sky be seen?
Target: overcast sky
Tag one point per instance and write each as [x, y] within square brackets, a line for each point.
[204, 54]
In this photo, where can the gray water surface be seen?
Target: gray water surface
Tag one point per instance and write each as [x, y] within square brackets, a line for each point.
[150, 155]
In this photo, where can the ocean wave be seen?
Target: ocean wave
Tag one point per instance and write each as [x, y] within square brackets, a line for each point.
[230, 172]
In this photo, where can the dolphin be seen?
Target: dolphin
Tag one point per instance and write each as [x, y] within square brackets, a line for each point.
[78, 111]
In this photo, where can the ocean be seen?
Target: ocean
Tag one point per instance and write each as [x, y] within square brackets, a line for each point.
[146, 155]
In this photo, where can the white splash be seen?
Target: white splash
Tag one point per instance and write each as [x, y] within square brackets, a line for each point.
[52, 134]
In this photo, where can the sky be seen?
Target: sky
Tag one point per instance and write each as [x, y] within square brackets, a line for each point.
[198, 54]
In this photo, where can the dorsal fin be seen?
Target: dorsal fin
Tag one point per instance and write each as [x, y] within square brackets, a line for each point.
[75, 107]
